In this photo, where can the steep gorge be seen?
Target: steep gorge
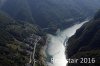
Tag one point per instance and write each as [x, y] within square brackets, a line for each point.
[19, 19]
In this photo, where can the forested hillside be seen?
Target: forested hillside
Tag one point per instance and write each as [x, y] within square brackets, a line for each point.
[21, 21]
[15, 49]
[86, 42]
[51, 14]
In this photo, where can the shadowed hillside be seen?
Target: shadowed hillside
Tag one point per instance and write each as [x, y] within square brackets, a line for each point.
[86, 42]
[51, 14]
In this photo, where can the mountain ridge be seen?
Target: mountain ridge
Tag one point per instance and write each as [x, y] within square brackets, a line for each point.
[50, 13]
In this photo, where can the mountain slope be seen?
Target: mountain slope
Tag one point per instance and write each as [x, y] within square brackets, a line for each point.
[86, 42]
[51, 13]
[18, 9]
[15, 49]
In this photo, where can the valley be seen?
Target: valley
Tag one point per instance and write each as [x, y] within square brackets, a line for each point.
[67, 29]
